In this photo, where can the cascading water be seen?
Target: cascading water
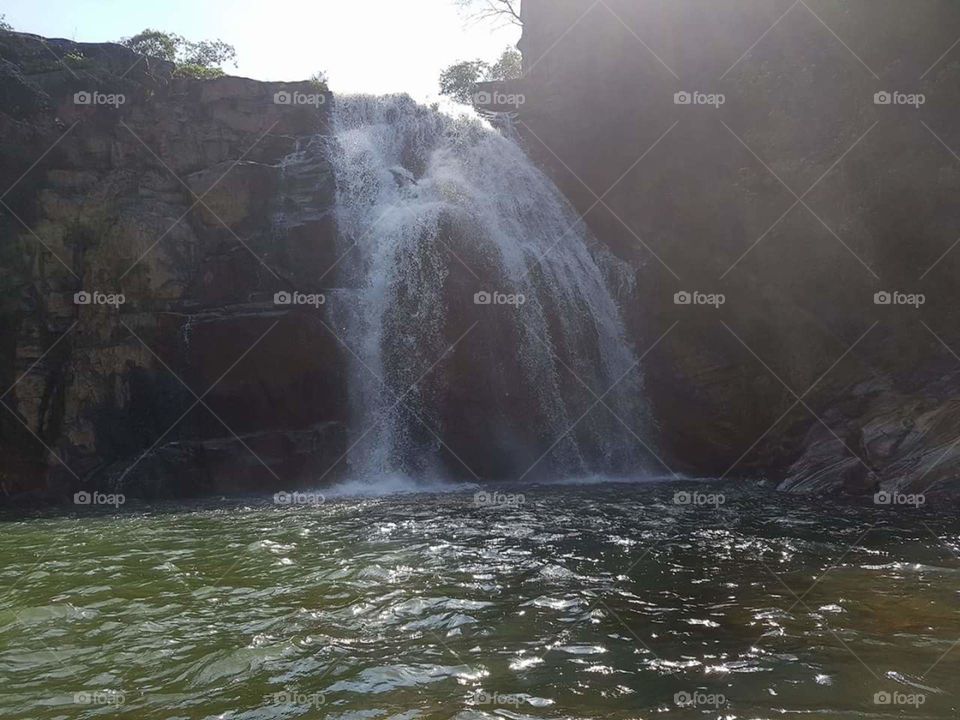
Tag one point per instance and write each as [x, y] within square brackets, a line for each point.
[431, 211]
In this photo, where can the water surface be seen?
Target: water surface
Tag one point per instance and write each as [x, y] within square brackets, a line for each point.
[606, 601]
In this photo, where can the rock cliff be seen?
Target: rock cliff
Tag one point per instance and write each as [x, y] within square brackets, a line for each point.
[797, 160]
[781, 178]
[190, 200]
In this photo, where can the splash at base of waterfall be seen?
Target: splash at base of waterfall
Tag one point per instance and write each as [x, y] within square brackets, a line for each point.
[484, 339]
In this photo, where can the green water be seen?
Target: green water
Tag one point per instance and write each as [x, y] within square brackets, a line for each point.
[604, 601]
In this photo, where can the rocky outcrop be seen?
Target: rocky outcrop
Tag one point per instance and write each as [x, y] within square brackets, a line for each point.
[740, 148]
[187, 198]
[881, 438]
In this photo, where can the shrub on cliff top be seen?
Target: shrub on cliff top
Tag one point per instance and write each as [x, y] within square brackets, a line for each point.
[320, 80]
[192, 59]
[459, 81]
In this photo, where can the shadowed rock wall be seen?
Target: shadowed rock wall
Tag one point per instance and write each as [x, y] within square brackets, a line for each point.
[794, 195]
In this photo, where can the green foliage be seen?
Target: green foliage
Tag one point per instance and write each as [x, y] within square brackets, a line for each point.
[4, 25]
[198, 72]
[201, 59]
[208, 54]
[320, 81]
[155, 44]
[75, 58]
[459, 81]
[508, 67]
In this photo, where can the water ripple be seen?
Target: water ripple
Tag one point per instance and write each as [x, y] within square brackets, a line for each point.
[597, 602]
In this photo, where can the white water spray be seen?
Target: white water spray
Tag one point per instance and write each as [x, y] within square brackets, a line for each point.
[431, 209]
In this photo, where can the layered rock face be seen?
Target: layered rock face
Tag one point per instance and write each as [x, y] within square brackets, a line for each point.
[782, 178]
[197, 201]
[801, 161]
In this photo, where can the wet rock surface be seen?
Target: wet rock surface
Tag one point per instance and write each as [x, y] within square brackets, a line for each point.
[175, 198]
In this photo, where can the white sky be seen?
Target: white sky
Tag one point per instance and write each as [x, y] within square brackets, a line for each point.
[370, 46]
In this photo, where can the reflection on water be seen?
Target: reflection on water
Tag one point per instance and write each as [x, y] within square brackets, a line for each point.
[607, 601]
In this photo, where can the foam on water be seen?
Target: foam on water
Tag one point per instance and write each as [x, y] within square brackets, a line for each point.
[393, 484]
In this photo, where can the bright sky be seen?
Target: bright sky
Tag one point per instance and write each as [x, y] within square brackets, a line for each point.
[370, 46]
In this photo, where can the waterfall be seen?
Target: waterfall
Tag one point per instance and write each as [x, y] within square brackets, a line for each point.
[436, 215]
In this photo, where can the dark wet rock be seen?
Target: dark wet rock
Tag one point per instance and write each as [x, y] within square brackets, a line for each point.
[908, 442]
[171, 198]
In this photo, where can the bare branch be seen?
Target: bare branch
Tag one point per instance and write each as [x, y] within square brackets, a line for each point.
[508, 10]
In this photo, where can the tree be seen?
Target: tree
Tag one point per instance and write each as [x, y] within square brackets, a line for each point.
[508, 67]
[4, 25]
[459, 81]
[155, 44]
[500, 10]
[208, 55]
[192, 59]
